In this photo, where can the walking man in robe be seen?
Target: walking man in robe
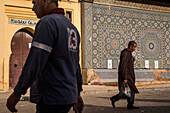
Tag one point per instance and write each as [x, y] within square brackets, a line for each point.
[126, 74]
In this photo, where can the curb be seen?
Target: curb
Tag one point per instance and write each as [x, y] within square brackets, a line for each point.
[106, 89]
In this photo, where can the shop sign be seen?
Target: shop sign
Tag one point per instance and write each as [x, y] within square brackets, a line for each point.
[22, 22]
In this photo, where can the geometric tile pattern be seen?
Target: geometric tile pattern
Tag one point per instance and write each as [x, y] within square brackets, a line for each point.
[150, 44]
[110, 41]
[106, 75]
[88, 36]
[108, 29]
[166, 75]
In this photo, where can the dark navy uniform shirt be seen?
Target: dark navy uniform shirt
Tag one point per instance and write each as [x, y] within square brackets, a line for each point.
[52, 66]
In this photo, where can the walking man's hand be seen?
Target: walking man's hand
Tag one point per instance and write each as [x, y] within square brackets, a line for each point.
[79, 106]
[12, 101]
[125, 81]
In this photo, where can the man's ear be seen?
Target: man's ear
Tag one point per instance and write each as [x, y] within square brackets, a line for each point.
[131, 47]
[46, 3]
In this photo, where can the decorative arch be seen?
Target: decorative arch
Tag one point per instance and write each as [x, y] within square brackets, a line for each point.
[20, 46]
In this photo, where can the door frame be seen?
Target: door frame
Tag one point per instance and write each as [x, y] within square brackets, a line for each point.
[30, 32]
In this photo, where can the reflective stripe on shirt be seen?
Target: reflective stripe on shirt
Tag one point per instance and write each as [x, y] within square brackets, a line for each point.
[42, 46]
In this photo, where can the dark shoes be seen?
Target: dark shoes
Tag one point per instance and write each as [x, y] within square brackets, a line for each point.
[128, 106]
[132, 107]
[113, 102]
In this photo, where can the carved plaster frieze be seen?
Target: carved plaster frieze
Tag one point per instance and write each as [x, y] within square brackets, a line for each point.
[134, 5]
[20, 12]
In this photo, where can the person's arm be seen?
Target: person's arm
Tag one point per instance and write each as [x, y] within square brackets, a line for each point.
[79, 106]
[35, 63]
[41, 48]
[79, 79]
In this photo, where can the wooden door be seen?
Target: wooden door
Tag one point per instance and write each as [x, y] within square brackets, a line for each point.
[20, 47]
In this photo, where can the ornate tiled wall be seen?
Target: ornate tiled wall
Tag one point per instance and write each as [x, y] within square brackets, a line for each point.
[107, 75]
[108, 29]
[88, 35]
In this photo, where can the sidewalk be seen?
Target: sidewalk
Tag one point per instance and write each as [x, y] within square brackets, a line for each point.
[100, 88]
[151, 99]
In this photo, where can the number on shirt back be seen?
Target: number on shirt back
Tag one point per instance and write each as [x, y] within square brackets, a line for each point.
[72, 40]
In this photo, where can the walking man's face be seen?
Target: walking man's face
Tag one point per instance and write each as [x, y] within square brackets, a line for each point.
[133, 48]
[39, 8]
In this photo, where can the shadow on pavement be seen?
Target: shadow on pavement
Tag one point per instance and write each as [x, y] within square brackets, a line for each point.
[145, 100]
[152, 100]
[143, 109]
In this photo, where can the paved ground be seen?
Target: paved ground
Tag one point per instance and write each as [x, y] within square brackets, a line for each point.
[152, 99]
[149, 101]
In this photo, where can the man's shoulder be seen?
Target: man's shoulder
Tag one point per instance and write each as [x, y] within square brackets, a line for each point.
[52, 20]
[52, 17]
[125, 50]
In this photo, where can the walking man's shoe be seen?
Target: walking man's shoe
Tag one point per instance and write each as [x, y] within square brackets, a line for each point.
[132, 107]
[113, 102]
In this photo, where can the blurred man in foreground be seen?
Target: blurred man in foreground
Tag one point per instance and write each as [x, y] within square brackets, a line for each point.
[52, 68]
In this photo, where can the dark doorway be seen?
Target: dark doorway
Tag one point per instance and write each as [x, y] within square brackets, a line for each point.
[20, 46]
